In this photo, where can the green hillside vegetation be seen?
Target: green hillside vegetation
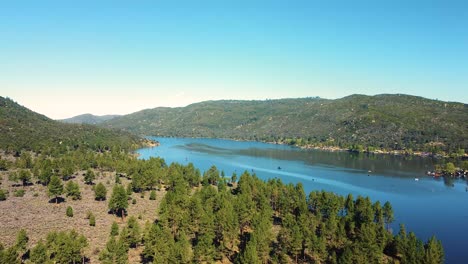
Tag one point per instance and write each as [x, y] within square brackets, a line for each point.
[204, 217]
[197, 217]
[22, 129]
[357, 122]
[88, 119]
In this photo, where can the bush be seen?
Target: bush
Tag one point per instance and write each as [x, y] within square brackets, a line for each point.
[69, 211]
[89, 214]
[134, 201]
[2, 195]
[152, 195]
[92, 220]
[19, 193]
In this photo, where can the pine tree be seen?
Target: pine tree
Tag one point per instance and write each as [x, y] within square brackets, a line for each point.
[24, 176]
[22, 240]
[118, 202]
[9, 256]
[152, 195]
[114, 229]
[182, 249]
[55, 187]
[434, 253]
[39, 253]
[73, 189]
[250, 253]
[134, 233]
[2, 195]
[100, 192]
[89, 176]
[66, 247]
[114, 253]
[388, 213]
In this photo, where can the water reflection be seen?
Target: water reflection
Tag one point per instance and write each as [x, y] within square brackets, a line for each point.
[390, 165]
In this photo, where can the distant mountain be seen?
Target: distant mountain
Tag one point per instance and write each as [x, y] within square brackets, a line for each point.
[23, 129]
[88, 119]
[387, 121]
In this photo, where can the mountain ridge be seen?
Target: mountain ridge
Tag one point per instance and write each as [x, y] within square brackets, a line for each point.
[385, 121]
[23, 129]
[88, 119]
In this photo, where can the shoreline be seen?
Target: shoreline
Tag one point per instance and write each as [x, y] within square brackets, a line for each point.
[324, 148]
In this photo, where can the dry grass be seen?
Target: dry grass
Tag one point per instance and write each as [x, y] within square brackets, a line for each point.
[38, 217]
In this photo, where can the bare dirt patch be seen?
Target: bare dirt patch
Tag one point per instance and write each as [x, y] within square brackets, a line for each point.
[37, 216]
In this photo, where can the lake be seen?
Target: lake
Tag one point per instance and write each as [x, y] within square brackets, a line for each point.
[426, 206]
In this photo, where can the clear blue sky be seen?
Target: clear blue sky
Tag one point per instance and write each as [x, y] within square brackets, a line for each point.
[63, 58]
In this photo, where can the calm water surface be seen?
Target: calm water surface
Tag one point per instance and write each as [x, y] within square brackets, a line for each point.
[426, 206]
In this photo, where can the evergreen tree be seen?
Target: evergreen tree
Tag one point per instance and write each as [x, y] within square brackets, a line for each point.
[250, 253]
[2, 195]
[22, 240]
[434, 253]
[182, 250]
[9, 256]
[100, 192]
[233, 177]
[24, 176]
[46, 172]
[39, 253]
[55, 187]
[118, 202]
[114, 253]
[66, 247]
[134, 233]
[73, 189]
[89, 176]
[158, 244]
[152, 195]
[388, 213]
[117, 179]
[114, 229]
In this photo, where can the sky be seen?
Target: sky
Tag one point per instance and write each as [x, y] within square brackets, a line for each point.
[64, 58]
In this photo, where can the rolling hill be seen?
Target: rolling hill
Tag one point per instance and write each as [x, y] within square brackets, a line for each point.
[88, 119]
[23, 129]
[387, 121]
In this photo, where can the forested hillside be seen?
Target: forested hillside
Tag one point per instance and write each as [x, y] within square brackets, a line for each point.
[23, 129]
[88, 119]
[390, 122]
[188, 216]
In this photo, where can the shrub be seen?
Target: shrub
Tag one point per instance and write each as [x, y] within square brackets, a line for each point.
[2, 195]
[69, 211]
[19, 193]
[134, 201]
[152, 195]
[92, 220]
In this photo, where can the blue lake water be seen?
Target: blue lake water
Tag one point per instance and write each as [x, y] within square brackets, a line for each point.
[426, 206]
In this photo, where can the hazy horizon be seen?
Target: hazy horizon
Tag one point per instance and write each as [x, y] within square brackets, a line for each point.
[64, 59]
